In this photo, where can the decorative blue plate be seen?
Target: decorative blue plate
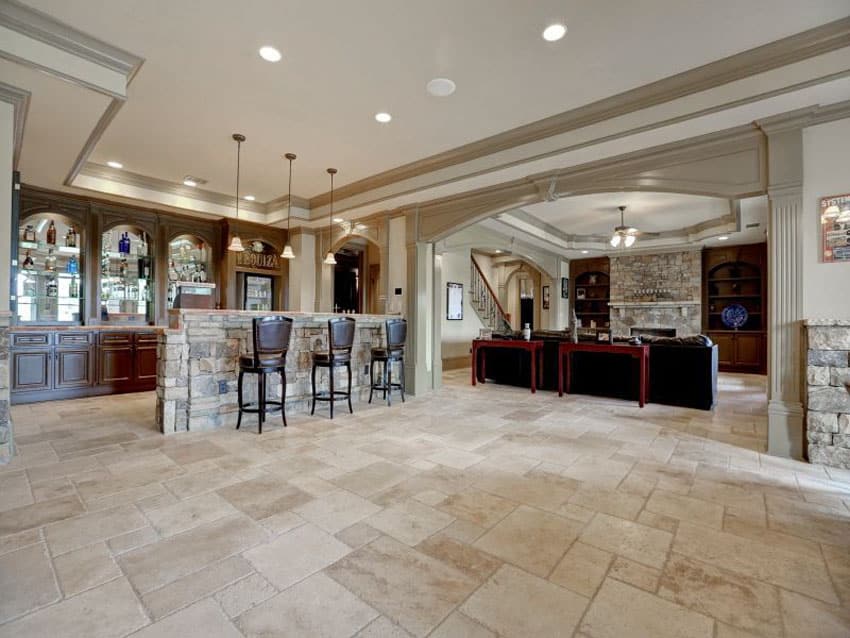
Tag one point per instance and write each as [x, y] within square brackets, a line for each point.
[734, 316]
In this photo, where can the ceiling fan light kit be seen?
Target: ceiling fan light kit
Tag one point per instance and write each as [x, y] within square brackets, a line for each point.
[624, 236]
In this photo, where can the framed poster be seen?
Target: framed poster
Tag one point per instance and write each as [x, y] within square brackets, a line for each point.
[454, 301]
[545, 297]
[834, 215]
[565, 287]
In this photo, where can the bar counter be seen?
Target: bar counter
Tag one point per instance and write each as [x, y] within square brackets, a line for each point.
[198, 365]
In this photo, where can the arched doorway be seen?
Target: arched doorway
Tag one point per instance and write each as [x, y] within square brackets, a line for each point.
[356, 276]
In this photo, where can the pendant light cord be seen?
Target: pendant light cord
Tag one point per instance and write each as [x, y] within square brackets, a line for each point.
[289, 202]
[238, 166]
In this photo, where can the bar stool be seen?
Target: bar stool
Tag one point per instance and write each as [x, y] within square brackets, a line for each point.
[340, 341]
[271, 343]
[396, 330]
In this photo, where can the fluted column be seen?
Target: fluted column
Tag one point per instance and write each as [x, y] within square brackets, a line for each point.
[785, 250]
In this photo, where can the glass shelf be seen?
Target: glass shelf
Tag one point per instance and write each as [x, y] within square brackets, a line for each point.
[189, 260]
[50, 267]
[126, 274]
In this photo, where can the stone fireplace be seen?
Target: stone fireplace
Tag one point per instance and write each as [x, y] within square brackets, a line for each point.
[658, 292]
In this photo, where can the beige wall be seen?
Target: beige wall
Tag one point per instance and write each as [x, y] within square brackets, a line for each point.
[826, 171]
[457, 336]
[397, 266]
[7, 146]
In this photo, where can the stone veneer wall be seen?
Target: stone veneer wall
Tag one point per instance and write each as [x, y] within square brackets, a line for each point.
[827, 396]
[7, 440]
[198, 366]
[662, 277]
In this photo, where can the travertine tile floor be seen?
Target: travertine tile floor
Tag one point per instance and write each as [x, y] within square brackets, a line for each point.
[475, 512]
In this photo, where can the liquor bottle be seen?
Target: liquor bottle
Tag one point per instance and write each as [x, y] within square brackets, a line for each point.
[172, 272]
[74, 288]
[50, 261]
[71, 238]
[51, 234]
[29, 234]
[142, 248]
[122, 270]
[73, 266]
[28, 260]
[52, 288]
[124, 244]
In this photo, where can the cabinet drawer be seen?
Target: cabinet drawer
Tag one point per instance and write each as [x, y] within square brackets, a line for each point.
[26, 339]
[146, 337]
[73, 338]
[116, 338]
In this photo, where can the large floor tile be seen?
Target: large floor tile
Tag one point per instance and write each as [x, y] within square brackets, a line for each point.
[264, 496]
[303, 610]
[26, 582]
[373, 478]
[204, 618]
[480, 508]
[772, 563]
[85, 568]
[685, 508]
[806, 617]
[337, 510]
[389, 576]
[26, 517]
[109, 611]
[638, 542]
[296, 554]
[516, 604]
[531, 539]
[74, 533]
[622, 610]
[410, 522]
[184, 515]
[158, 564]
[582, 569]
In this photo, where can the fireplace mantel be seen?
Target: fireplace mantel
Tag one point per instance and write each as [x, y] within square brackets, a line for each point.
[622, 306]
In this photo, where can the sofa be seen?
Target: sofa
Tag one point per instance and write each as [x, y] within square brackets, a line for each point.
[682, 370]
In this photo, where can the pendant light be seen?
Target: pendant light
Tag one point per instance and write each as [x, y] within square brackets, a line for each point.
[287, 249]
[625, 235]
[329, 258]
[236, 243]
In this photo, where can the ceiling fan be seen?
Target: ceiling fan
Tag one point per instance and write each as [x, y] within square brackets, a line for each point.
[623, 235]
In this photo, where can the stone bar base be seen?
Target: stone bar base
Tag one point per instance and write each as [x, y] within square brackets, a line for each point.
[198, 365]
[828, 398]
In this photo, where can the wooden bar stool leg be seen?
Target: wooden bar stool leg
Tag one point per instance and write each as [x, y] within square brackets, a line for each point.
[384, 377]
[313, 377]
[283, 396]
[350, 409]
[239, 399]
[331, 381]
[401, 375]
[371, 379]
[261, 399]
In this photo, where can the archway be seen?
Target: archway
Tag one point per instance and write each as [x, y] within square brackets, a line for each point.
[356, 282]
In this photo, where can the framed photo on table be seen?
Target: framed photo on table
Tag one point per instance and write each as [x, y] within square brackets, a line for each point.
[454, 301]
[545, 297]
[603, 336]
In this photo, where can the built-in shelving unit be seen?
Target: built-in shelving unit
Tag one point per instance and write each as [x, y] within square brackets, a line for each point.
[591, 291]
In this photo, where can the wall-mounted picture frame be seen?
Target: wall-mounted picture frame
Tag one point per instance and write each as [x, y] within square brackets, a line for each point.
[454, 301]
[603, 336]
[581, 293]
[565, 287]
[545, 297]
[834, 218]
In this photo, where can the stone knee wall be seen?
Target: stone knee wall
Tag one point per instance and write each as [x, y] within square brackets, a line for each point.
[827, 394]
[7, 441]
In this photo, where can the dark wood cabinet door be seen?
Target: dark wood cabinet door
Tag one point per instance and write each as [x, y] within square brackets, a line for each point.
[73, 368]
[115, 364]
[31, 370]
[146, 364]
[748, 351]
[725, 348]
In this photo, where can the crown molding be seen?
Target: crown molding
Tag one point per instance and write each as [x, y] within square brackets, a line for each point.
[99, 171]
[795, 48]
[20, 101]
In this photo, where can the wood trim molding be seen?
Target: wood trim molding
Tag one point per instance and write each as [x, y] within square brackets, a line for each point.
[20, 101]
[795, 48]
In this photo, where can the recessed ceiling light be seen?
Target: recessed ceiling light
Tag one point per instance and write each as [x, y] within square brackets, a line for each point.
[383, 118]
[250, 198]
[114, 164]
[189, 182]
[270, 54]
[584, 252]
[338, 220]
[441, 87]
[554, 32]
[723, 238]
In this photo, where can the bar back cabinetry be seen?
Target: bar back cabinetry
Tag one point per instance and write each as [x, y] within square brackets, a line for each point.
[59, 364]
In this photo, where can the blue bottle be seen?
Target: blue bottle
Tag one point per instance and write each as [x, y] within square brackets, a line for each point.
[73, 267]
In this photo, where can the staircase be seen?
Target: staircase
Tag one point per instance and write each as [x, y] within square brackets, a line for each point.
[485, 302]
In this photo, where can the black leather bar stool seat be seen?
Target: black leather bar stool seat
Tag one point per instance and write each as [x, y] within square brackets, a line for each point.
[270, 345]
[396, 330]
[340, 342]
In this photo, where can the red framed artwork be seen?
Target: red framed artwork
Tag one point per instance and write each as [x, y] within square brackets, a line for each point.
[834, 215]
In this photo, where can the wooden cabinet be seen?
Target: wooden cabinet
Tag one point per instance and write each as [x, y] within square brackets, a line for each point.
[590, 289]
[65, 365]
[735, 277]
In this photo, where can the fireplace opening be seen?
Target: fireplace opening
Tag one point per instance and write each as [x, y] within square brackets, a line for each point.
[653, 332]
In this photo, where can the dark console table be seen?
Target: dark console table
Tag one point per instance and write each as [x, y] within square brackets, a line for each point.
[534, 348]
[641, 353]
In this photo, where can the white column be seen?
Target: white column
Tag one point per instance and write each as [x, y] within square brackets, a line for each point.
[302, 279]
[397, 260]
[7, 151]
[785, 276]
[420, 354]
